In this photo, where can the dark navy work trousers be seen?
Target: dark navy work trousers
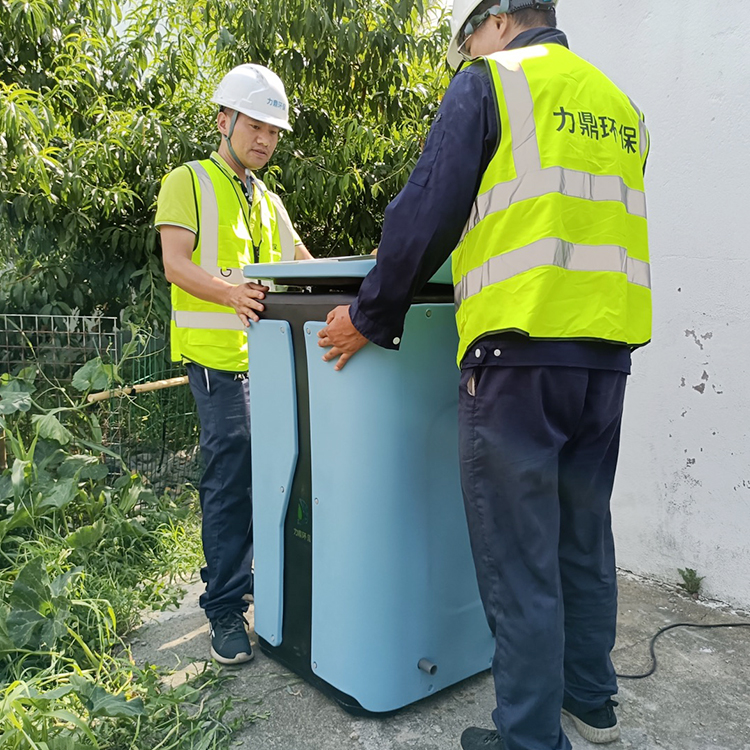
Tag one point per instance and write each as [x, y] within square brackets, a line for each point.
[223, 400]
[538, 452]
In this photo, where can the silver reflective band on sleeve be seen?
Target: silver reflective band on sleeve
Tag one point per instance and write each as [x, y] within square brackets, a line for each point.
[566, 182]
[552, 252]
[207, 320]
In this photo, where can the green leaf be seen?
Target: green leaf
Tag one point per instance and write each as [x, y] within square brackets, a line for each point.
[39, 610]
[103, 703]
[31, 588]
[58, 494]
[6, 487]
[62, 583]
[6, 644]
[18, 477]
[54, 625]
[96, 472]
[94, 375]
[82, 466]
[67, 717]
[20, 518]
[135, 494]
[99, 702]
[96, 430]
[87, 536]
[24, 626]
[58, 692]
[28, 375]
[50, 428]
[14, 399]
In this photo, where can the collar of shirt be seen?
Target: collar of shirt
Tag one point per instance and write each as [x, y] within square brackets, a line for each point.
[539, 35]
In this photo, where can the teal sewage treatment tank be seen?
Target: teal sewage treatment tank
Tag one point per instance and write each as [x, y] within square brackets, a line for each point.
[364, 581]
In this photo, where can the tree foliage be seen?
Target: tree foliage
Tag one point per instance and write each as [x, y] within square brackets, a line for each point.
[95, 107]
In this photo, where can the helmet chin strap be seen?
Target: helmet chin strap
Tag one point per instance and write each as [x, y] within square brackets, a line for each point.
[249, 179]
[228, 140]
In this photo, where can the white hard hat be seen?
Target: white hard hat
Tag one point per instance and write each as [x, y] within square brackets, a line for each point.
[463, 10]
[255, 91]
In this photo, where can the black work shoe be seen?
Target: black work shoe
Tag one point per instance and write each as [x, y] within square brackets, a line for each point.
[474, 738]
[229, 641]
[598, 726]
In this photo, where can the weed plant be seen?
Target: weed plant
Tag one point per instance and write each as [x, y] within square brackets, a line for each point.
[691, 581]
[85, 548]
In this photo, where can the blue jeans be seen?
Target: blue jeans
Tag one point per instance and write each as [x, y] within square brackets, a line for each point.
[223, 401]
[539, 450]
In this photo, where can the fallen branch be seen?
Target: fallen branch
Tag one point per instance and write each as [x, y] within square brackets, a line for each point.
[132, 390]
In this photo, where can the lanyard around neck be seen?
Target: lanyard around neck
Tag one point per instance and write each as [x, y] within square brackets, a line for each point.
[252, 183]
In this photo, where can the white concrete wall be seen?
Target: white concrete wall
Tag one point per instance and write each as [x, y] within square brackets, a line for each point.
[682, 497]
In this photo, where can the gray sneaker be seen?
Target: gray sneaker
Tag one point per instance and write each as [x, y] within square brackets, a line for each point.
[229, 641]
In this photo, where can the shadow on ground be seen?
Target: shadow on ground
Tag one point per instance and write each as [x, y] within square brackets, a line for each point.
[697, 700]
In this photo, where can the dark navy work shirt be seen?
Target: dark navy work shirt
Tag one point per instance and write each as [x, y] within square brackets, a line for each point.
[424, 223]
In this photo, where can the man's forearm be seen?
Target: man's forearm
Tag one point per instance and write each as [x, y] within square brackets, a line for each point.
[302, 253]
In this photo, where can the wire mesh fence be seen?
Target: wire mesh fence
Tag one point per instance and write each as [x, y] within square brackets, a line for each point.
[156, 433]
[57, 344]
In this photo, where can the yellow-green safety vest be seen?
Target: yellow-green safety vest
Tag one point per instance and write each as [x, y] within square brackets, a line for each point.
[203, 332]
[556, 246]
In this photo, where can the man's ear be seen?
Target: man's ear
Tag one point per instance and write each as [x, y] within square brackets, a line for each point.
[222, 121]
[503, 22]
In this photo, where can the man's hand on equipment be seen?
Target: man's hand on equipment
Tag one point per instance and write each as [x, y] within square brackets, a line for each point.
[244, 298]
[341, 335]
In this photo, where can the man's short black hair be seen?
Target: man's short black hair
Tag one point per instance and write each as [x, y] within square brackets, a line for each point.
[530, 18]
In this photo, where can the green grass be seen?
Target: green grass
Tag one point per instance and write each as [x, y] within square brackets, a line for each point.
[83, 553]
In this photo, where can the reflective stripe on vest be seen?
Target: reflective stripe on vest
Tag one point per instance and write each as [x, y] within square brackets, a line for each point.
[556, 243]
[534, 182]
[204, 332]
[567, 182]
[210, 220]
[207, 320]
[552, 252]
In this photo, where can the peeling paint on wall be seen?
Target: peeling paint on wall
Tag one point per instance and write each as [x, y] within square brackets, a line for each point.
[682, 496]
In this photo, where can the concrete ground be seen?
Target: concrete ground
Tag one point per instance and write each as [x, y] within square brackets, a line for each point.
[697, 700]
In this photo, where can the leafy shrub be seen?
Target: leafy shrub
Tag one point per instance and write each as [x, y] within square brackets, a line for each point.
[83, 551]
[95, 107]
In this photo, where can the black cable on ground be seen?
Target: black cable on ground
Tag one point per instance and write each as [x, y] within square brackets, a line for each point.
[664, 630]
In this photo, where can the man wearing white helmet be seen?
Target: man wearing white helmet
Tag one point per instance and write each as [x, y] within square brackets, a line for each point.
[532, 177]
[215, 216]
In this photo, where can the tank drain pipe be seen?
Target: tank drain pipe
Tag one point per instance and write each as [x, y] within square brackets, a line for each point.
[427, 666]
